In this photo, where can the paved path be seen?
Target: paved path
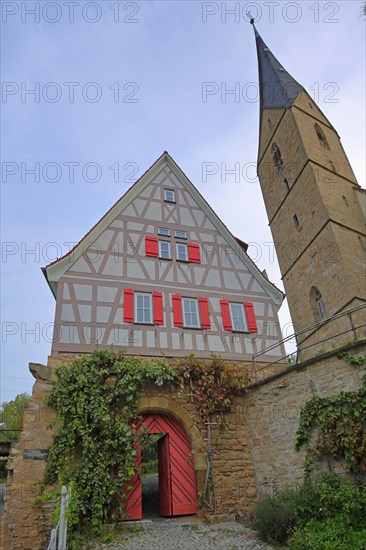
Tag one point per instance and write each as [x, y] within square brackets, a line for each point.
[186, 535]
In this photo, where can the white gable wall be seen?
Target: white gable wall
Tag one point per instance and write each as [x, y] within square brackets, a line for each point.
[90, 290]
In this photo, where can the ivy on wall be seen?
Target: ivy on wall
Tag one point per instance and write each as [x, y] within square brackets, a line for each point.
[212, 383]
[95, 398]
[335, 426]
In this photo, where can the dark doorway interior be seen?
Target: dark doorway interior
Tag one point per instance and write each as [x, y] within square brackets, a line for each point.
[150, 477]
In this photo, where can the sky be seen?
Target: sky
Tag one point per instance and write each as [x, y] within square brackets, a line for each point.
[94, 92]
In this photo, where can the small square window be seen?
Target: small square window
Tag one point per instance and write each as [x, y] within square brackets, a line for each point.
[182, 252]
[169, 195]
[164, 232]
[190, 313]
[164, 250]
[180, 234]
[238, 318]
[143, 307]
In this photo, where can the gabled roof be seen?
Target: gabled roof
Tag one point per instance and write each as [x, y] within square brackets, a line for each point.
[55, 270]
[278, 89]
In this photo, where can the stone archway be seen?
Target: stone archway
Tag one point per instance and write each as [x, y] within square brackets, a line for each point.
[165, 406]
[169, 407]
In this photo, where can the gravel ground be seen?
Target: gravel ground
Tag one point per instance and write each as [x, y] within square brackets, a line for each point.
[185, 535]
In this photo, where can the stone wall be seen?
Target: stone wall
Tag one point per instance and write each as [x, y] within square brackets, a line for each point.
[26, 525]
[251, 456]
[272, 409]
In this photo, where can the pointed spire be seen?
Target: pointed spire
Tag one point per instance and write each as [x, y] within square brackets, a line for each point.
[278, 89]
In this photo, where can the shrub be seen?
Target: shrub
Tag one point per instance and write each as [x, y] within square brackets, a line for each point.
[275, 517]
[326, 514]
[333, 533]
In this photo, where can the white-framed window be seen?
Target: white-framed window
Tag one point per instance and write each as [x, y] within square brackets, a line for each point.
[164, 231]
[164, 250]
[143, 307]
[190, 313]
[180, 234]
[238, 318]
[182, 252]
[169, 195]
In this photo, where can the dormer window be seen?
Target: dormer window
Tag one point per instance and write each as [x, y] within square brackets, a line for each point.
[277, 157]
[321, 136]
[169, 195]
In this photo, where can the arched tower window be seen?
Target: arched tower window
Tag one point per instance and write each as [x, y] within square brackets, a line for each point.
[317, 304]
[321, 136]
[277, 157]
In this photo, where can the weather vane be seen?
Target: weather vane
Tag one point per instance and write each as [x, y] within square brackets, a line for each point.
[250, 17]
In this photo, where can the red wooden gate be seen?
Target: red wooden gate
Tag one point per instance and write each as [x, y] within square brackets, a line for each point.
[177, 482]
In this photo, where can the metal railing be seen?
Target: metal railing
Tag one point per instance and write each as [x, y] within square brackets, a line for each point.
[352, 330]
[58, 539]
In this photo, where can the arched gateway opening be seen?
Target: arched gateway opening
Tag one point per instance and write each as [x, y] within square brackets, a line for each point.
[177, 481]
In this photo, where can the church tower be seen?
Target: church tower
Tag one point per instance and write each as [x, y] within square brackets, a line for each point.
[315, 209]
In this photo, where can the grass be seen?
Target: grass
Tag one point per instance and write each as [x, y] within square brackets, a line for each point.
[109, 533]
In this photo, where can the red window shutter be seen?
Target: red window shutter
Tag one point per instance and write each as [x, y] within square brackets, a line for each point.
[226, 317]
[151, 246]
[205, 314]
[194, 253]
[177, 310]
[128, 305]
[158, 308]
[252, 324]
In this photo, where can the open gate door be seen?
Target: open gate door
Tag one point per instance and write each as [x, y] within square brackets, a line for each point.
[183, 481]
[134, 495]
[165, 486]
[177, 480]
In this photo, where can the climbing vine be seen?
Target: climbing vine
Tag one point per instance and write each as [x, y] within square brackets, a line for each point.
[212, 383]
[338, 424]
[95, 398]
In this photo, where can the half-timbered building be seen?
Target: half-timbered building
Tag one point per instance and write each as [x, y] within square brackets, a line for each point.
[160, 274]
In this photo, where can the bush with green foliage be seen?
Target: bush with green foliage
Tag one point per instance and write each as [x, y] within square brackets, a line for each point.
[275, 517]
[330, 534]
[327, 514]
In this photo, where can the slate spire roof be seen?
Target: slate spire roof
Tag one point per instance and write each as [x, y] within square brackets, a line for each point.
[278, 89]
